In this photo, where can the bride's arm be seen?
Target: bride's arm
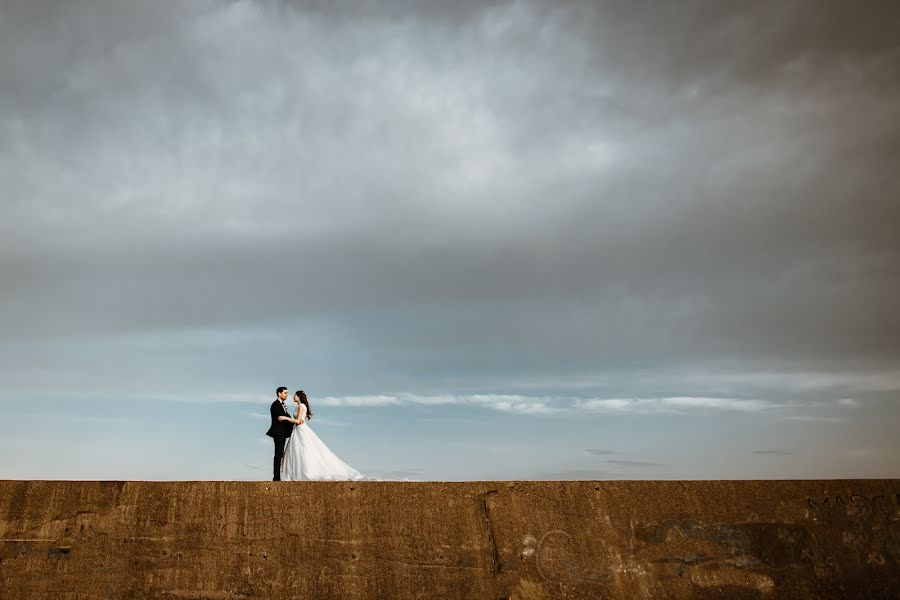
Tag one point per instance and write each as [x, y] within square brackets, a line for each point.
[297, 420]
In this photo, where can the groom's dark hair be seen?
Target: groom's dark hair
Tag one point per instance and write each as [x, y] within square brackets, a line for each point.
[280, 389]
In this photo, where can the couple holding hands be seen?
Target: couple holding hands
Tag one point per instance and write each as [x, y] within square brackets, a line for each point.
[299, 453]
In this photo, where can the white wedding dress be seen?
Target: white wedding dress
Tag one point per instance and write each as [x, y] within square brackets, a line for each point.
[306, 457]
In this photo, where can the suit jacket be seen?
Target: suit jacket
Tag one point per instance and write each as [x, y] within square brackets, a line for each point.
[279, 428]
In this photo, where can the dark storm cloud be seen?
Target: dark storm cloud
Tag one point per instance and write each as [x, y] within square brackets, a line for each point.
[459, 187]
[634, 463]
[598, 452]
[622, 462]
[578, 474]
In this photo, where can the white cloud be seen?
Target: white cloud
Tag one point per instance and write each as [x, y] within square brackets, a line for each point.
[359, 401]
[813, 419]
[608, 404]
[674, 404]
[717, 403]
[886, 380]
[510, 403]
[500, 402]
[560, 404]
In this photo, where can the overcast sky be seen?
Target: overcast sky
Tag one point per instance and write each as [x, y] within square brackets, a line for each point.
[490, 240]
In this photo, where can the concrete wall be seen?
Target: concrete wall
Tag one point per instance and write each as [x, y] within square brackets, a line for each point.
[504, 539]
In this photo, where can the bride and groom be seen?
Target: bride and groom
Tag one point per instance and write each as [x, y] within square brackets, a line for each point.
[299, 453]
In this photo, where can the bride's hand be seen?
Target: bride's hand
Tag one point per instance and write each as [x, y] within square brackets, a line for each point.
[282, 418]
[302, 421]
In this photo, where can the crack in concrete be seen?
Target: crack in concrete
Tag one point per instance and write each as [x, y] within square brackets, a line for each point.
[495, 555]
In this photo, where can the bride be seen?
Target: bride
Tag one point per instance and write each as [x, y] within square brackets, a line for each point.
[307, 457]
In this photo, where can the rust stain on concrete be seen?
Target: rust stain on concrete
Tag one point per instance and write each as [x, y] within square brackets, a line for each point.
[486, 539]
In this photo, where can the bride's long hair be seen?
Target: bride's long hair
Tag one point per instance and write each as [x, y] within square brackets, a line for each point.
[305, 401]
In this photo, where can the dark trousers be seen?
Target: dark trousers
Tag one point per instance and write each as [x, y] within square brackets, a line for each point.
[279, 453]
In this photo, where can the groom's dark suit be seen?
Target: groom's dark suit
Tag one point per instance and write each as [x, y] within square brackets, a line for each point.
[280, 431]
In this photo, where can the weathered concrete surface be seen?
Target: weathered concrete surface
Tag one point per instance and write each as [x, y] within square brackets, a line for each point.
[504, 539]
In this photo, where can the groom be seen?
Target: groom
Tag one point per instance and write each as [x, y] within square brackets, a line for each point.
[280, 431]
